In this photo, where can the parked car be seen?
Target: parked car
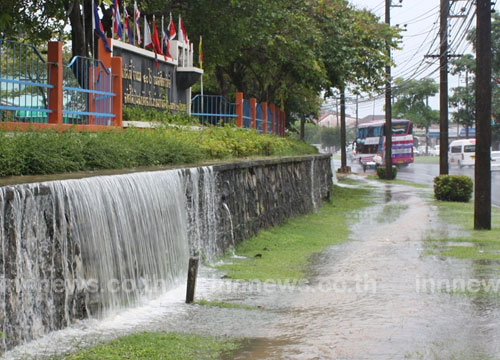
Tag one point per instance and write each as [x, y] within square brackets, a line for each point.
[495, 160]
[434, 151]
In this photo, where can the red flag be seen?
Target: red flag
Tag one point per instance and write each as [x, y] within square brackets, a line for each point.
[182, 31]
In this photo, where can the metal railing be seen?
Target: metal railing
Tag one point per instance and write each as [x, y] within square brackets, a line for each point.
[213, 109]
[247, 114]
[269, 114]
[259, 117]
[87, 93]
[24, 84]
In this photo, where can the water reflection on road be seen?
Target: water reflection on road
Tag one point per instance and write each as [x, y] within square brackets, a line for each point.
[422, 173]
[372, 298]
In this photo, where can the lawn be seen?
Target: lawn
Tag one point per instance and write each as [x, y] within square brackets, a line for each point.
[283, 253]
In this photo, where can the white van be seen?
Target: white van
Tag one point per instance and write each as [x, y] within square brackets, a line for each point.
[462, 152]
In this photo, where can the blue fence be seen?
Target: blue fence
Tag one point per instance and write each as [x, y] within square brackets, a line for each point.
[24, 84]
[87, 93]
[217, 110]
[259, 115]
[213, 109]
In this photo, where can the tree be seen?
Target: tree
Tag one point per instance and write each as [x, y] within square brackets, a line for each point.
[412, 103]
[463, 98]
[330, 136]
[282, 51]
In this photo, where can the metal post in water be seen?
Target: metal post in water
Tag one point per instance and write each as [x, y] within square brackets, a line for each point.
[191, 279]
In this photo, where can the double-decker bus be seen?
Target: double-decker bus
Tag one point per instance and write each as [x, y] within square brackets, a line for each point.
[370, 142]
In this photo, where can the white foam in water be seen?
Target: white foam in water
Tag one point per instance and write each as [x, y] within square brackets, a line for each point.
[203, 211]
[132, 231]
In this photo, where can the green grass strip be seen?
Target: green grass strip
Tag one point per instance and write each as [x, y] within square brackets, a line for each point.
[399, 182]
[426, 159]
[283, 253]
[153, 346]
[224, 304]
[475, 244]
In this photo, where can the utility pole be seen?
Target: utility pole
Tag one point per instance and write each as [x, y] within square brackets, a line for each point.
[482, 171]
[357, 114]
[467, 102]
[443, 88]
[388, 105]
[342, 131]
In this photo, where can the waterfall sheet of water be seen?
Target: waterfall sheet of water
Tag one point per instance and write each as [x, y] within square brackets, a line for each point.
[313, 187]
[202, 204]
[87, 248]
[233, 243]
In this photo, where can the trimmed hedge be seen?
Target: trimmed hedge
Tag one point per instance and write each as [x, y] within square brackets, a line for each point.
[382, 174]
[49, 152]
[453, 188]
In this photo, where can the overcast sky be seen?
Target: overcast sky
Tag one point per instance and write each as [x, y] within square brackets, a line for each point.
[421, 38]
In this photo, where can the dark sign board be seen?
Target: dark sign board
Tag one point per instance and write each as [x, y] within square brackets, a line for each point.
[147, 82]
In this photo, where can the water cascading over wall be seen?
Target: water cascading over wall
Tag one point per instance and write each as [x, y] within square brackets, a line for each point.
[78, 248]
[74, 249]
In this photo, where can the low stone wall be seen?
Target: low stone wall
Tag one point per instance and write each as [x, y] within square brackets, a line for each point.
[263, 193]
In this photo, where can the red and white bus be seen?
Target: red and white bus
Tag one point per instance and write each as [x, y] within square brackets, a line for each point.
[370, 142]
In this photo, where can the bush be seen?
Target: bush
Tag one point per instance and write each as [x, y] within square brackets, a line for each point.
[49, 152]
[452, 188]
[381, 172]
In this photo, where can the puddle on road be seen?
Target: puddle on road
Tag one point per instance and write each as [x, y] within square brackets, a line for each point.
[375, 297]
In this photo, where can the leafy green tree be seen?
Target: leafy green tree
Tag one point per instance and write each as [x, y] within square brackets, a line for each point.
[283, 51]
[412, 102]
[330, 136]
[464, 98]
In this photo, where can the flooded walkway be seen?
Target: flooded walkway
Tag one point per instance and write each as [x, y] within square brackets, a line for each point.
[370, 298]
[378, 296]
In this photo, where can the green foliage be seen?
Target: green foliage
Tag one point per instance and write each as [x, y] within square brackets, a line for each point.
[381, 173]
[411, 101]
[50, 152]
[143, 113]
[286, 250]
[156, 346]
[330, 136]
[453, 188]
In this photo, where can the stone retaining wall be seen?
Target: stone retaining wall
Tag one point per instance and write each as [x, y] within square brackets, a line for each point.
[226, 204]
[264, 193]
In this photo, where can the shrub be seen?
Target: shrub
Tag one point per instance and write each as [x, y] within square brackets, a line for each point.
[381, 172]
[49, 152]
[452, 188]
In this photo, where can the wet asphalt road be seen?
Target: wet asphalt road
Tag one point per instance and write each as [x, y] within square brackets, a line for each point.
[425, 173]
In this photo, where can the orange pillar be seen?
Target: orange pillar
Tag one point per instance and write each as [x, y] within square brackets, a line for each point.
[239, 109]
[116, 70]
[273, 117]
[264, 117]
[55, 70]
[278, 121]
[284, 124]
[253, 112]
[103, 55]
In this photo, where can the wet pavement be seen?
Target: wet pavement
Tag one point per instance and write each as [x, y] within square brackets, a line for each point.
[377, 296]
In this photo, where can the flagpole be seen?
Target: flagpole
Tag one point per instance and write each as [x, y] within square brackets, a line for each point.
[144, 42]
[93, 32]
[135, 25]
[124, 31]
[162, 31]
